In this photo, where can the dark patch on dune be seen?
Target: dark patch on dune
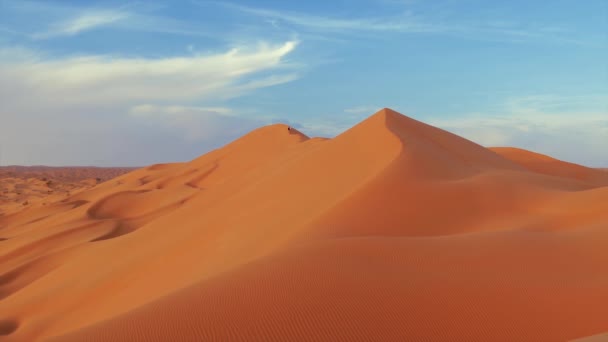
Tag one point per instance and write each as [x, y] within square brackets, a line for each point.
[36, 220]
[8, 326]
[194, 183]
[22, 276]
[10, 276]
[120, 230]
[145, 180]
[77, 203]
[157, 167]
[94, 211]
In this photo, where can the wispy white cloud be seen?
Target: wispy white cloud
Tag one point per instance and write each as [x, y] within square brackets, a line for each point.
[410, 22]
[69, 21]
[10, 31]
[406, 22]
[83, 22]
[43, 20]
[103, 79]
[150, 110]
[99, 101]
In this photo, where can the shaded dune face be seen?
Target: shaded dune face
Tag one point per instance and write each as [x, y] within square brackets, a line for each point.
[393, 230]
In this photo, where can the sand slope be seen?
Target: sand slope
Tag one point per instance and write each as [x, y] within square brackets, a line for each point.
[393, 230]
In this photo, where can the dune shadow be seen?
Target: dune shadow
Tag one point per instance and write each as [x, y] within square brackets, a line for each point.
[20, 277]
[195, 182]
[96, 211]
[8, 326]
[35, 220]
[77, 203]
[120, 230]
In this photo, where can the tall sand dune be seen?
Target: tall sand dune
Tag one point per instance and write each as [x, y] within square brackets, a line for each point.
[393, 230]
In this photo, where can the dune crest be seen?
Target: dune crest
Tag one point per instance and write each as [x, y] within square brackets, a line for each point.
[393, 230]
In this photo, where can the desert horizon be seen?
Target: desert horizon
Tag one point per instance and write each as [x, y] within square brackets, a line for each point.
[392, 230]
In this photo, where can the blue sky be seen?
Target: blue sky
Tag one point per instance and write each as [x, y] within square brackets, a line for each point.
[135, 83]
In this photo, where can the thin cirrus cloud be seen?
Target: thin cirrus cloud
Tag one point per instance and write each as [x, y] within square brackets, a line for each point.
[81, 23]
[403, 23]
[93, 80]
[45, 21]
[410, 22]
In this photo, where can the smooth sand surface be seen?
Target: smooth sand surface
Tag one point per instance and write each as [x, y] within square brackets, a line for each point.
[392, 231]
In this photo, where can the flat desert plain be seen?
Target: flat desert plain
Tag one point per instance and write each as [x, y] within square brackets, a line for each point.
[392, 231]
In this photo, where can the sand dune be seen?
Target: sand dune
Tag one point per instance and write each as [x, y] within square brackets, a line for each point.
[22, 186]
[543, 164]
[393, 230]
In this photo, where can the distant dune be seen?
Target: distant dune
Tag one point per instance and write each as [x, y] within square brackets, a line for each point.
[392, 231]
[27, 186]
[540, 163]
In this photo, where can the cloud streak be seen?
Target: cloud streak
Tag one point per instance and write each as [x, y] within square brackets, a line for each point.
[83, 22]
[408, 22]
[44, 21]
[96, 80]
[403, 23]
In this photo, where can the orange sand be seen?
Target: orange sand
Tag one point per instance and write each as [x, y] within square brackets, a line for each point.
[392, 231]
